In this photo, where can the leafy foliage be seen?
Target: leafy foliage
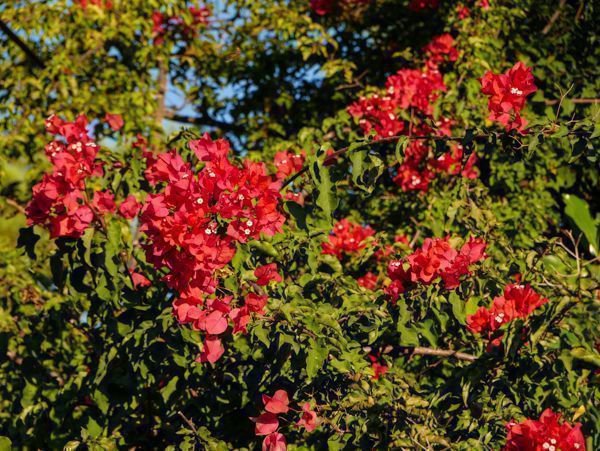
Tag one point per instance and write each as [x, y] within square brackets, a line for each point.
[358, 330]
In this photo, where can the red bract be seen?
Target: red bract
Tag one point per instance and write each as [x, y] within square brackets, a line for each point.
[278, 403]
[212, 350]
[274, 442]
[549, 433]
[368, 281]
[164, 26]
[288, 163]
[507, 93]
[518, 301]
[347, 238]
[195, 222]
[130, 207]
[441, 48]
[59, 201]
[266, 424]
[309, 418]
[436, 259]
[267, 273]
[295, 197]
[378, 368]
[115, 121]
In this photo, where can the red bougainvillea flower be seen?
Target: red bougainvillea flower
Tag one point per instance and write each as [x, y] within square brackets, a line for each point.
[441, 48]
[463, 11]
[267, 273]
[288, 163]
[436, 259]
[115, 121]
[507, 93]
[309, 418]
[347, 238]
[164, 26]
[548, 433]
[274, 442]
[130, 207]
[59, 201]
[139, 280]
[295, 197]
[379, 369]
[194, 223]
[266, 423]
[368, 281]
[518, 301]
[103, 202]
[278, 403]
[212, 350]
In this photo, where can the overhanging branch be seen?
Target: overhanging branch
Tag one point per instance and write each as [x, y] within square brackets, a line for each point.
[22, 45]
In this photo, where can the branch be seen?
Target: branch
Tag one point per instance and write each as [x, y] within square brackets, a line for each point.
[332, 158]
[554, 17]
[587, 101]
[203, 120]
[22, 45]
[443, 353]
[163, 78]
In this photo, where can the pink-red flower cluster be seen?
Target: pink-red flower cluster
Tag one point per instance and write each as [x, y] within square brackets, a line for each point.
[267, 423]
[174, 26]
[379, 369]
[518, 301]
[413, 92]
[347, 238]
[59, 201]
[436, 259]
[507, 94]
[549, 433]
[407, 88]
[288, 163]
[192, 228]
[441, 48]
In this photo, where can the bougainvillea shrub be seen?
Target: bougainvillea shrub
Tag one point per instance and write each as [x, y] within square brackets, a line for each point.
[342, 224]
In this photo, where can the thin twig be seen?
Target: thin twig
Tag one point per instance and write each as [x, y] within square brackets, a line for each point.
[554, 17]
[443, 353]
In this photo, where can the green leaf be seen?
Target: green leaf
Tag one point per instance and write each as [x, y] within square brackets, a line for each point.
[579, 211]
[315, 357]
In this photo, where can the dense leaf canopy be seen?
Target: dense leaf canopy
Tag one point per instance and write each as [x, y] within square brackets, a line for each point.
[331, 224]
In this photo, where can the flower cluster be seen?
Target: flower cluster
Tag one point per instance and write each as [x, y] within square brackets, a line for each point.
[324, 7]
[59, 201]
[194, 224]
[347, 238]
[548, 433]
[287, 163]
[415, 91]
[176, 26]
[518, 301]
[407, 88]
[436, 259]
[507, 93]
[267, 423]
